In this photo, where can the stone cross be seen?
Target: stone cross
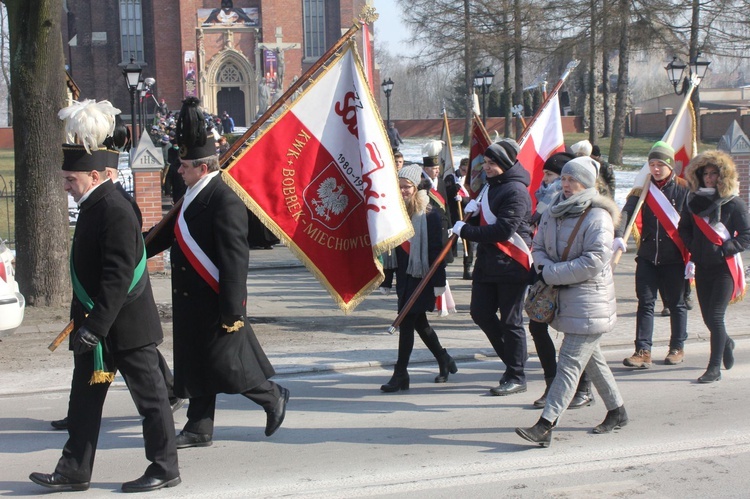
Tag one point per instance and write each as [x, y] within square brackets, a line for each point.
[279, 47]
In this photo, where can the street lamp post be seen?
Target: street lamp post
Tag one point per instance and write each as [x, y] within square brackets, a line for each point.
[483, 81]
[139, 98]
[696, 72]
[132, 74]
[387, 88]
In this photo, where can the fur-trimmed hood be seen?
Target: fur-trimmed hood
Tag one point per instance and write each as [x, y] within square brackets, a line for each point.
[728, 184]
[608, 204]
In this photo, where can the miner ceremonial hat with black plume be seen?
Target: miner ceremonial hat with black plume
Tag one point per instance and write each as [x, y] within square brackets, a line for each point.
[88, 124]
[191, 133]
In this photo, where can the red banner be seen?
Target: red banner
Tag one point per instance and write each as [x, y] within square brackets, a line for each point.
[323, 180]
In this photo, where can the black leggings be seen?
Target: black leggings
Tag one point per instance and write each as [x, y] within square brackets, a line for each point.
[714, 286]
[545, 349]
[406, 338]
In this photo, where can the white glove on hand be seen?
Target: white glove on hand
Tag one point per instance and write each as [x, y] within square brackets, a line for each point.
[458, 198]
[690, 270]
[472, 207]
[450, 233]
[619, 244]
[439, 290]
[457, 228]
[385, 291]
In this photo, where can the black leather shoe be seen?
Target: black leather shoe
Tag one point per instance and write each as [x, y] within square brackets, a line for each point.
[176, 404]
[149, 483]
[729, 354]
[187, 439]
[399, 381]
[712, 374]
[582, 399]
[276, 417]
[60, 424]
[540, 433]
[614, 420]
[58, 482]
[508, 388]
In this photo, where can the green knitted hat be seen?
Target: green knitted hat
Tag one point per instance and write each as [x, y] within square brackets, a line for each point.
[663, 152]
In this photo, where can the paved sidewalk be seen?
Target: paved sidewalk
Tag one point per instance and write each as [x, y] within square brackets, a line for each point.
[302, 330]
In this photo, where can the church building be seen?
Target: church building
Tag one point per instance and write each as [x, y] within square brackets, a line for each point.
[236, 56]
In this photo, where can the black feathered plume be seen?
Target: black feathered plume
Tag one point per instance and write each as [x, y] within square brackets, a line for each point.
[191, 127]
[120, 138]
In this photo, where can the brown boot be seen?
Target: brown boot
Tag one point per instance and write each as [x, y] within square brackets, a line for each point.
[674, 357]
[641, 359]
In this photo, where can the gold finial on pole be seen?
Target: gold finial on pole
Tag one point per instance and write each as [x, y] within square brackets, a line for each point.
[368, 15]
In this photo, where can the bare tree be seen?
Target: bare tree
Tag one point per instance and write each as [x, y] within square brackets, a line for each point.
[621, 101]
[38, 93]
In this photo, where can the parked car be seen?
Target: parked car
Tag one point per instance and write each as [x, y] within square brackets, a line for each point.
[12, 303]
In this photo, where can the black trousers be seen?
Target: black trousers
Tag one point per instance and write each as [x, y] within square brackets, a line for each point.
[201, 410]
[669, 280]
[140, 368]
[506, 333]
[714, 286]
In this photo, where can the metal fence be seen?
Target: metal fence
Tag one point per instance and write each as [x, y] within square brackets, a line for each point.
[7, 212]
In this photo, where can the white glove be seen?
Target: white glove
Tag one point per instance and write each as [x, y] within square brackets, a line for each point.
[457, 228]
[385, 291]
[472, 207]
[439, 290]
[619, 244]
[450, 233]
[690, 270]
[458, 198]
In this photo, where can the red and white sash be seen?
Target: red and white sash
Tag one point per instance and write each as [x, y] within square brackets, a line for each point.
[667, 217]
[195, 255]
[515, 247]
[434, 194]
[717, 235]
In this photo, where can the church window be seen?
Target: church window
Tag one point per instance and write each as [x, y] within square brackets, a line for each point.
[314, 20]
[131, 30]
[229, 73]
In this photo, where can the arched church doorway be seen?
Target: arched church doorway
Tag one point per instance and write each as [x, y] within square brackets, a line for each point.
[232, 100]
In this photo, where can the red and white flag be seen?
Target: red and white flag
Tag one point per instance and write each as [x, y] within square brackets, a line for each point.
[480, 141]
[682, 137]
[543, 139]
[367, 55]
[323, 179]
[446, 153]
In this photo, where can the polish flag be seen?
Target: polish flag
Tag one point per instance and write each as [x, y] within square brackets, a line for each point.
[543, 139]
[322, 178]
[367, 55]
[480, 141]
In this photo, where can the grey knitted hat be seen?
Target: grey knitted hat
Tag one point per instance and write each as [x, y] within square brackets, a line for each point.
[412, 173]
[583, 169]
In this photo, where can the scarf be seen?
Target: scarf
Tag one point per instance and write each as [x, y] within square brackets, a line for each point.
[705, 202]
[545, 194]
[419, 263]
[574, 205]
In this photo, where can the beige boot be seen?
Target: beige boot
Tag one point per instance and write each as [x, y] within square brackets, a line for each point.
[641, 359]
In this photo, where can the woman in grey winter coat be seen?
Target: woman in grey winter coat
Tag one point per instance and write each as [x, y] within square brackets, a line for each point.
[586, 306]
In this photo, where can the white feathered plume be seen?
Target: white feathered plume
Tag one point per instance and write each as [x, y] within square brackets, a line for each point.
[432, 148]
[89, 122]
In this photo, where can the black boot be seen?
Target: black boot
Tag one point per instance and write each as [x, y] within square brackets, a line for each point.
[712, 374]
[447, 365]
[467, 268]
[399, 381]
[729, 353]
[542, 401]
[615, 419]
[540, 433]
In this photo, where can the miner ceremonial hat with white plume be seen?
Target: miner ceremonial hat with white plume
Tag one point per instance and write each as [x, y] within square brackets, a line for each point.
[191, 133]
[88, 124]
[431, 153]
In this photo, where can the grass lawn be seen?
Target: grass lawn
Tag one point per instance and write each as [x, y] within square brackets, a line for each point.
[634, 146]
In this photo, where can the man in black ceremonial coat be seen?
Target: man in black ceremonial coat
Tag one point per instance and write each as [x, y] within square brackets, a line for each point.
[122, 319]
[215, 349]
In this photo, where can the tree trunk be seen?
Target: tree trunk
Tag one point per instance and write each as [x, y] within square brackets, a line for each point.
[38, 93]
[695, 98]
[467, 75]
[621, 98]
[606, 130]
[518, 60]
[592, 74]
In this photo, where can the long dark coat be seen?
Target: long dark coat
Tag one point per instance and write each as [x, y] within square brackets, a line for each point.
[107, 245]
[407, 284]
[207, 359]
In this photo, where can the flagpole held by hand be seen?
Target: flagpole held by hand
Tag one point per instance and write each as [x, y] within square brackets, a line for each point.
[426, 279]
[629, 226]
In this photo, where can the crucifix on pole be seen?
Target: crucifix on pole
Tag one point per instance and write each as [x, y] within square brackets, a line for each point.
[279, 48]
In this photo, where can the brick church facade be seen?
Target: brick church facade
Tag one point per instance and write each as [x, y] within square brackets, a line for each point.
[236, 56]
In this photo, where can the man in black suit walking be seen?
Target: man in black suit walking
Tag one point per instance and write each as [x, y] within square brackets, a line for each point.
[116, 324]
